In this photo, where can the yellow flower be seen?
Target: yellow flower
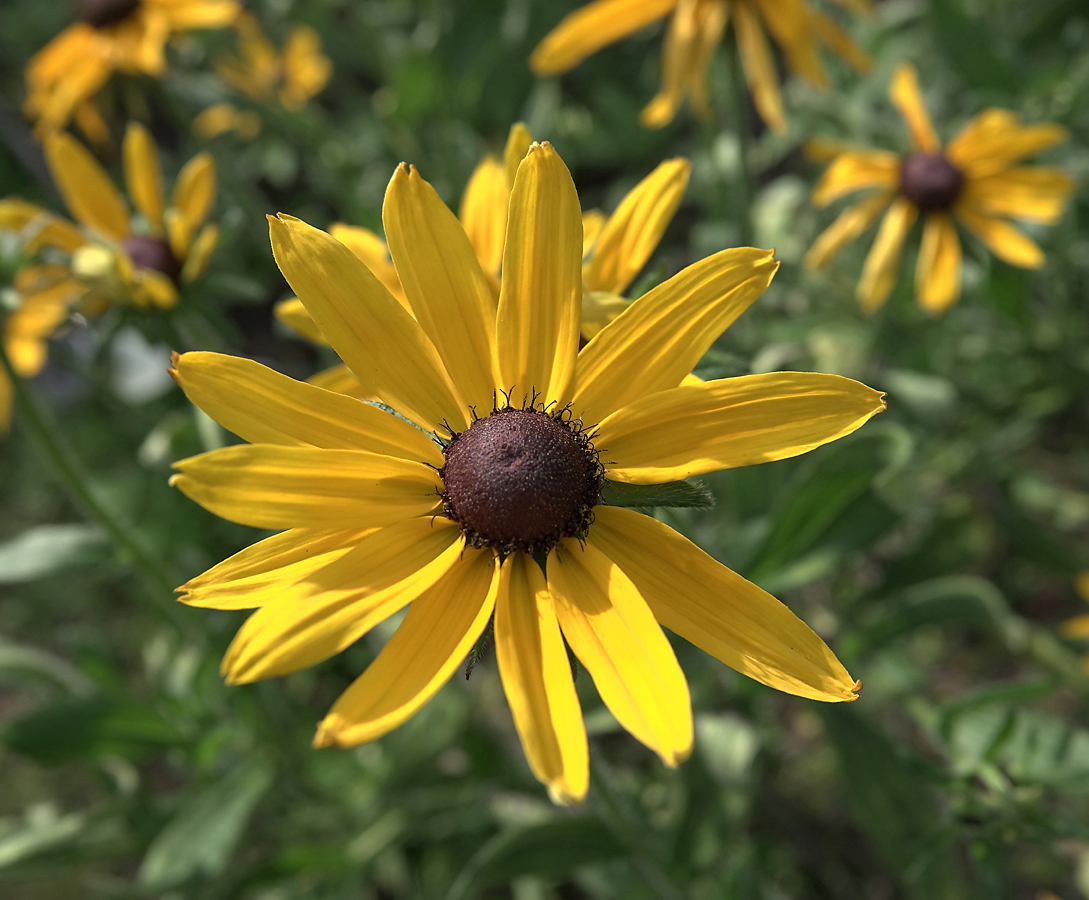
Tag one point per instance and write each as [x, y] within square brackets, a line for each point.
[615, 248]
[1078, 627]
[695, 30]
[221, 118]
[114, 261]
[974, 180]
[380, 513]
[111, 36]
[46, 292]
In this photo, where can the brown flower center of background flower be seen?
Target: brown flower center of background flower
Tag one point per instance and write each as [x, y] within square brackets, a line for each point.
[521, 479]
[103, 13]
[152, 253]
[930, 181]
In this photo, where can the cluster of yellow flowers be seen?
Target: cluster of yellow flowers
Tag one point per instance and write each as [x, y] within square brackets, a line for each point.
[502, 340]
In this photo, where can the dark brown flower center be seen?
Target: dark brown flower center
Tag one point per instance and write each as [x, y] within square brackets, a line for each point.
[152, 253]
[521, 479]
[103, 13]
[930, 181]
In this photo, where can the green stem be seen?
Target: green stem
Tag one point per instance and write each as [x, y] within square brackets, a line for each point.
[743, 187]
[67, 470]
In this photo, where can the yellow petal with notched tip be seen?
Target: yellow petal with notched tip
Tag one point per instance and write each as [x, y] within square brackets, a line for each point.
[1004, 240]
[440, 628]
[483, 211]
[373, 333]
[848, 225]
[854, 171]
[1030, 193]
[195, 189]
[908, 99]
[937, 271]
[587, 30]
[445, 286]
[537, 327]
[659, 339]
[262, 572]
[632, 232]
[612, 631]
[270, 486]
[518, 143]
[144, 175]
[537, 680]
[759, 64]
[882, 267]
[85, 187]
[719, 611]
[732, 422]
[333, 607]
[196, 263]
[264, 407]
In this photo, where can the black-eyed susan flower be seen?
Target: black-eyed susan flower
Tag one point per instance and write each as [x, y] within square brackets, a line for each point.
[110, 36]
[117, 257]
[695, 29]
[263, 74]
[974, 180]
[615, 247]
[483, 496]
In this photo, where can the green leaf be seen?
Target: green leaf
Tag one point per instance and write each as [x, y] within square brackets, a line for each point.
[969, 47]
[200, 839]
[675, 494]
[47, 549]
[37, 664]
[45, 830]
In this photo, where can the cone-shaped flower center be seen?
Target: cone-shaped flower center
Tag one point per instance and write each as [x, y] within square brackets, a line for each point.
[930, 181]
[521, 479]
[152, 253]
[103, 13]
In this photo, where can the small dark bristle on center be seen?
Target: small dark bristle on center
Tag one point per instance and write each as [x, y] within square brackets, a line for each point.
[152, 253]
[521, 479]
[930, 181]
[103, 13]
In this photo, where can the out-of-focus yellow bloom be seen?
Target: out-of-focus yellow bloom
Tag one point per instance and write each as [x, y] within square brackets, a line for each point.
[975, 180]
[116, 257]
[695, 29]
[126, 36]
[221, 118]
[1078, 627]
[615, 248]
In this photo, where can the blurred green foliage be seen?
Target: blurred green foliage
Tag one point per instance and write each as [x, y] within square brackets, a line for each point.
[935, 550]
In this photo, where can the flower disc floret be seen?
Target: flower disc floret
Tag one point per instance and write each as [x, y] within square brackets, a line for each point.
[930, 181]
[521, 479]
[152, 253]
[104, 13]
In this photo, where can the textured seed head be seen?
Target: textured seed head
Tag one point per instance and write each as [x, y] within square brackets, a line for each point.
[521, 479]
[103, 13]
[152, 253]
[930, 181]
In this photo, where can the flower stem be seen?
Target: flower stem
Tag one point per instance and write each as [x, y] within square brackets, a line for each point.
[743, 189]
[68, 471]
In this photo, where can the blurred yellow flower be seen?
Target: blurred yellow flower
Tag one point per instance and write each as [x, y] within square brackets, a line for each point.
[221, 118]
[116, 258]
[974, 180]
[111, 36]
[1078, 627]
[695, 29]
[381, 514]
[615, 248]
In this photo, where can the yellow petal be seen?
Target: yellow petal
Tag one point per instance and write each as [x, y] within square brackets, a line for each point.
[712, 19]
[333, 607]
[905, 94]
[592, 222]
[373, 333]
[537, 681]
[179, 232]
[518, 143]
[791, 25]
[759, 65]
[719, 611]
[294, 315]
[634, 230]
[374, 253]
[220, 118]
[440, 628]
[1076, 628]
[1081, 585]
[192, 14]
[598, 310]
[882, 267]
[483, 211]
[269, 486]
[444, 283]
[854, 170]
[537, 328]
[7, 403]
[91, 123]
[144, 175]
[1004, 240]
[587, 30]
[195, 189]
[937, 271]
[841, 43]
[848, 225]
[264, 407]
[263, 571]
[341, 380]
[85, 187]
[996, 139]
[153, 290]
[306, 69]
[200, 252]
[732, 422]
[659, 338]
[1030, 193]
[39, 228]
[611, 630]
[679, 53]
